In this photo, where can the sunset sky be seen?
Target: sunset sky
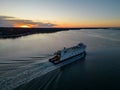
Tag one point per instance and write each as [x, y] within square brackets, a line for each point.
[59, 13]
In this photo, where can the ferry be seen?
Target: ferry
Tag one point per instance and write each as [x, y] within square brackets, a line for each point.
[68, 53]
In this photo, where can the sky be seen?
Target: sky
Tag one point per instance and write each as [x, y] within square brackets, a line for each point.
[59, 13]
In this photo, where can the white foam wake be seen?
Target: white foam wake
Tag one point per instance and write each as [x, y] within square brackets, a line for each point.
[30, 73]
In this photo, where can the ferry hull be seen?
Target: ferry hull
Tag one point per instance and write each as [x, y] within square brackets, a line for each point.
[67, 53]
[71, 59]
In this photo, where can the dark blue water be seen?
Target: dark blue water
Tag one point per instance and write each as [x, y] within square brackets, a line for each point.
[100, 70]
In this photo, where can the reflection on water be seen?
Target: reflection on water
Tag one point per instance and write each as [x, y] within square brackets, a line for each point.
[103, 48]
[43, 45]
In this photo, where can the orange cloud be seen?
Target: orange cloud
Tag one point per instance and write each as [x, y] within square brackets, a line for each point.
[6, 21]
[24, 25]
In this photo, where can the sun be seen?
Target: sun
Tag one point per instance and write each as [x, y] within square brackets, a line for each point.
[25, 26]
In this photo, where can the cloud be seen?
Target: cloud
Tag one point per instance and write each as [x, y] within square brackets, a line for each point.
[7, 21]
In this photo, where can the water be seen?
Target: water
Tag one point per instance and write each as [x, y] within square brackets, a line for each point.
[100, 69]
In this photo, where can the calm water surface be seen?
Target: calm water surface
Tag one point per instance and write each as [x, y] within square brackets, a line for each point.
[100, 69]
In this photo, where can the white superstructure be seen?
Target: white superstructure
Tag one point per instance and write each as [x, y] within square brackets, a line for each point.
[67, 53]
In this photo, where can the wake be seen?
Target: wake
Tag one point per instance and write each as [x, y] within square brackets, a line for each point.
[20, 77]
